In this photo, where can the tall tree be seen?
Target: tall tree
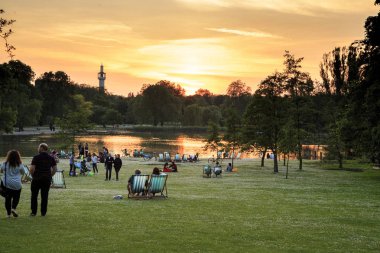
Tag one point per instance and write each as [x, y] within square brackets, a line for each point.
[299, 86]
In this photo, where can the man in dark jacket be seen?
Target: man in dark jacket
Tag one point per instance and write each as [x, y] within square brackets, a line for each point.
[42, 169]
[117, 165]
[108, 164]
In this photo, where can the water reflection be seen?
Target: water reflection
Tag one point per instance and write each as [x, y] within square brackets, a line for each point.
[149, 142]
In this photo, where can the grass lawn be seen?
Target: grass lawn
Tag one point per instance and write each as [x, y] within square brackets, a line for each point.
[316, 210]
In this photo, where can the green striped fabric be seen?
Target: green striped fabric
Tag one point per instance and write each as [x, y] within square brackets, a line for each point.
[139, 182]
[157, 183]
[207, 169]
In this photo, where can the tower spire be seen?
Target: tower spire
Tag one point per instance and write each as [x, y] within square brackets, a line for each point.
[102, 78]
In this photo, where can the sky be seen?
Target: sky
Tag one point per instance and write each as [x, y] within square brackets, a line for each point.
[195, 43]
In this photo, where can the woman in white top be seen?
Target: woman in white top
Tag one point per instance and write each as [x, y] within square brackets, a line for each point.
[12, 170]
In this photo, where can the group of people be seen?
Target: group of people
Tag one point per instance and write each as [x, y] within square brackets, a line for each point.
[43, 167]
[170, 168]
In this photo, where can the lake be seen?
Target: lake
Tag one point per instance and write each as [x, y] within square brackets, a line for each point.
[149, 142]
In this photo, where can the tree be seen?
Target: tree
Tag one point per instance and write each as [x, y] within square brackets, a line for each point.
[213, 140]
[232, 136]
[264, 115]
[5, 33]
[299, 86]
[75, 119]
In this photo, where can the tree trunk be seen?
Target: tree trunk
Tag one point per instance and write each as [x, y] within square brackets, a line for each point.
[340, 160]
[285, 158]
[287, 167]
[275, 163]
[232, 160]
[263, 157]
[300, 156]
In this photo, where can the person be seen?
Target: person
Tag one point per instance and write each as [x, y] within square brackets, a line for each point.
[12, 169]
[217, 169]
[117, 165]
[166, 168]
[94, 160]
[108, 164]
[72, 166]
[42, 169]
[156, 171]
[86, 150]
[229, 168]
[130, 182]
[173, 167]
[79, 148]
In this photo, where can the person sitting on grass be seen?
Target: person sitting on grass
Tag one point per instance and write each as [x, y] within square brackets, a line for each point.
[173, 167]
[217, 169]
[167, 168]
[229, 168]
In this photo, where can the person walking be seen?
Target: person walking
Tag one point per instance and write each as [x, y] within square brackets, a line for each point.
[42, 169]
[108, 164]
[12, 169]
[117, 165]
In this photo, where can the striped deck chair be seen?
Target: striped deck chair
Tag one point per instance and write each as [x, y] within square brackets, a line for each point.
[160, 157]
[238, 155]
[137, 187]
[157, 184]
[58, 180]
[167, 156]
[207, 171]
[27, 177]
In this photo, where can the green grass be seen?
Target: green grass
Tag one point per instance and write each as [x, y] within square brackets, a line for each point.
[315, 210]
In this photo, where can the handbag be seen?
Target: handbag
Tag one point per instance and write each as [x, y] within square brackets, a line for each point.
[3, 188]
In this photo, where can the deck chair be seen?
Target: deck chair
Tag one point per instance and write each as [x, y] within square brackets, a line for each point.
[207, 171]
[238, 155]
[167, 156]
[27, 177]
[160, 157]
[157, 184]
[137, 189]
[177, 158]
[217, 171]
[58, 180]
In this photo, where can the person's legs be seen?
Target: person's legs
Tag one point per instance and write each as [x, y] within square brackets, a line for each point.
[109, 173]
[106, 173]
[8, 200]
[35, 188]
[117, 174]
[16, 198]
[45, 187]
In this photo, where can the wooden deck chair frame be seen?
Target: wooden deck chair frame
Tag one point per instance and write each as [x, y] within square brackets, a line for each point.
[27, 177]
[207, 171]
[138, 187]
[157, 185]
[58, 180]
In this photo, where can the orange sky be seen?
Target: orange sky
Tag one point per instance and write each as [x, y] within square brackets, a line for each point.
[196, 43]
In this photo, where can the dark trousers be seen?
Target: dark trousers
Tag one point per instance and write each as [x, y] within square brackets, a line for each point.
[43, 184]
[117, 173]
[11, 201]
[108, 173]
[72, 167]
[95, 167]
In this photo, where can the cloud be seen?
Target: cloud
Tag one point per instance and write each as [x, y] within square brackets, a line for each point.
[302, 7]
[256, 34]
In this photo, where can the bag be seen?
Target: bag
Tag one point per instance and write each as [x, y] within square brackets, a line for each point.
[3, 190]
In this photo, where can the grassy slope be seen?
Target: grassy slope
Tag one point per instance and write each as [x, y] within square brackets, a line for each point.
[315, 210]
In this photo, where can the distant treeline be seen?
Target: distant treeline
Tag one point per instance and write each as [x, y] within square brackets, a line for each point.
[288, 108]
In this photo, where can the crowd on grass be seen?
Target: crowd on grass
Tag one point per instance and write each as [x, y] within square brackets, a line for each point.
[44, 166]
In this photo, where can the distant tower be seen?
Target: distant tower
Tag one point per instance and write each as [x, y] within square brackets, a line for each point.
[101, 77]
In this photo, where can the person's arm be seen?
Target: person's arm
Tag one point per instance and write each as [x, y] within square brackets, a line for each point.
[53, 170]
[32, 169]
